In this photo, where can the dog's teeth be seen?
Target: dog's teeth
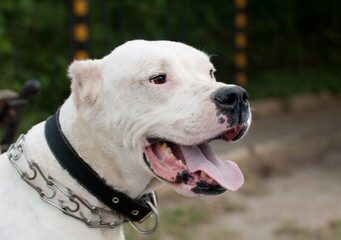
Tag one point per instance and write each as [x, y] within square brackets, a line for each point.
[169, 151]
[210, 180]
[235, 129]
[164, 146]
[179, 163]
[172, 157]
[207, 178]
[203, 174]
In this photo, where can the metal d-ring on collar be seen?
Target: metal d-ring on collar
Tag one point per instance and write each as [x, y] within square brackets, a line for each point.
[156, 221]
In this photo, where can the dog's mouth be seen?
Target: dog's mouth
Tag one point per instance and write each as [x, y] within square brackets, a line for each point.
[195, 167]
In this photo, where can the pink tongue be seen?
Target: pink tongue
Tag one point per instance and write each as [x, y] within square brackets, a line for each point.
[202, 158]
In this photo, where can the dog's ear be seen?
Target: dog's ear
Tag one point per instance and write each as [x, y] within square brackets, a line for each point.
[86, 81]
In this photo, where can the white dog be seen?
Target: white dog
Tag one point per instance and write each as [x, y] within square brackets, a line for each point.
[141, 116]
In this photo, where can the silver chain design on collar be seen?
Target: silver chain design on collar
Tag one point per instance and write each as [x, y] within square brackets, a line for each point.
[72, 204]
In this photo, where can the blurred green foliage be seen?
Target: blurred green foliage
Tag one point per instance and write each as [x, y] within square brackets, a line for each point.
[285, 36]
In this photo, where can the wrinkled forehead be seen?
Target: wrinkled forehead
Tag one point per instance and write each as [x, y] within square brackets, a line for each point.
[154, 55]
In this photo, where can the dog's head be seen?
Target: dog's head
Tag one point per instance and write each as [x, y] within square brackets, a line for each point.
[160, 101]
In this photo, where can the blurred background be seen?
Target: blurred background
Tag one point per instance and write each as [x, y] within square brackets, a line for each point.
[287, 54]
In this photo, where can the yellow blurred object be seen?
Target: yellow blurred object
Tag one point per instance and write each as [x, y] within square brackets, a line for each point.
[81, 32]
[240, 20]
[241, 40]
[240, 60]
[81, 55]
[240, 3]
[241, 79]
[80, 7]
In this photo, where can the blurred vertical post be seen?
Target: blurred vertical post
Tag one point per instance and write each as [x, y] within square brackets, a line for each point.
[240, 42]
[80, 29]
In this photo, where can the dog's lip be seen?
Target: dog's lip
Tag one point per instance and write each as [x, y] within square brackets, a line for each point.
[232, 134]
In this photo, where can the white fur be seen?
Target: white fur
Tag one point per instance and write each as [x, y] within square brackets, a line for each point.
[112, 108]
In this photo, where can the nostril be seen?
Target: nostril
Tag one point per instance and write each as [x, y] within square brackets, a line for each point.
[245, 97]
[231, 99]
[226, 99]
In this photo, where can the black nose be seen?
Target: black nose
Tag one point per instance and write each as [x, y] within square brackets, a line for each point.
[230, 97]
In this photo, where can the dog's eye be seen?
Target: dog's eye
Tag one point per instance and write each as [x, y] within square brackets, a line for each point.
[211, 73]
[158, 79]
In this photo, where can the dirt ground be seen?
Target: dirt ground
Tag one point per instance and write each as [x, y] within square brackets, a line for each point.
[309, 197]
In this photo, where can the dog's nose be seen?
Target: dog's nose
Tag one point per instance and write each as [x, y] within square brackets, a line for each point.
[231, 97]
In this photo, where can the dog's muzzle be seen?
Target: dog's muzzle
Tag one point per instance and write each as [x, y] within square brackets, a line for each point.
[195, 168]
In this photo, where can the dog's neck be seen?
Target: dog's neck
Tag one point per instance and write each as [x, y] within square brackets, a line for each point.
[112, 163]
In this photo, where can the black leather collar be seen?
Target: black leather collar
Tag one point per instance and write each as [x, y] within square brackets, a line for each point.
[134, 210]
